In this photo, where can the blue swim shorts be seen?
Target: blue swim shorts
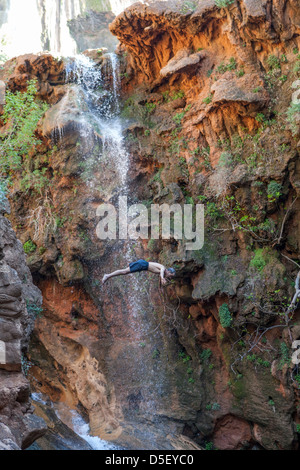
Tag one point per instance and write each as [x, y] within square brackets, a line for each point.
[140, 265]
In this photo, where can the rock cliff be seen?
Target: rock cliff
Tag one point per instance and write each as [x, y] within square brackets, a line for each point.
[19, 301]
[207, 96]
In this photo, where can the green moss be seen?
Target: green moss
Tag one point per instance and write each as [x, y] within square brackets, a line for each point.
[239, 389]
[262, 257]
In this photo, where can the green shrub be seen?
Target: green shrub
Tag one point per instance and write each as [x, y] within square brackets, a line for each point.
[25, 365]
[184, 357]
[205, 355]
[209, 446]
[34, 309]
[223, 3]
[178, 117]
[261, 259]
[3, 190]
[274, 190]
[225, 316]
[23, 113]
[273, 62]
[29, 247]
[285, 355]
[216, 406]
[222, 68]
[208, 99]
[188, 6]
[297, 378]
[155, 354]
[226, 160]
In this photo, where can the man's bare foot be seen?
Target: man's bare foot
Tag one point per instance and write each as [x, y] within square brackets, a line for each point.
[105, 277]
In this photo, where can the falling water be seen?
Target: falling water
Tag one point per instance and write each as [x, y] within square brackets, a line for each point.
[101, 87]
[23, 29]
[32, 26]
[104, 110]
[56, 34]
[74, 421]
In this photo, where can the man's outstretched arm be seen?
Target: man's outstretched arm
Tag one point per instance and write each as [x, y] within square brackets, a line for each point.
[162, 275]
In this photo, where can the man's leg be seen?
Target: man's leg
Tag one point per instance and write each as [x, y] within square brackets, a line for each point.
[120, 272]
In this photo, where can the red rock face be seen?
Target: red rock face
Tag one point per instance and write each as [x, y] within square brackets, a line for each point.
[207, 95]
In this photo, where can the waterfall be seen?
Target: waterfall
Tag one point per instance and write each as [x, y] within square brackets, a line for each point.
[22, 29]
[104, 110]
[32, 26]
[56, 34]
[101, 90]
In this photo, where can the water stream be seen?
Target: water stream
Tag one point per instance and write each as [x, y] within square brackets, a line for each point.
[105, 118]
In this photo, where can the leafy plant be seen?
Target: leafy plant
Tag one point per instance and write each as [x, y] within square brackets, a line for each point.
[223, 3]
[205, 355]
[226, 160]
[216, 406]
[208, 99]
[222, 68]
[3, 190]
[273, 62]
[285, 355]
[3, 56]
[25, 365]
[155, 354]
[184, 357]
[34, 309]
[225, 316]
[29, 247]
[21, 114]
[274, 190]
[260, 259]
[209, 446]
[188, 6]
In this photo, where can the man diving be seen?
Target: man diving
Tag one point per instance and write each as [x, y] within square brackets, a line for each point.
[142, 265]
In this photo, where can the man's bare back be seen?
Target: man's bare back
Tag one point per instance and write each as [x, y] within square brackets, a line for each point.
[142, 265]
